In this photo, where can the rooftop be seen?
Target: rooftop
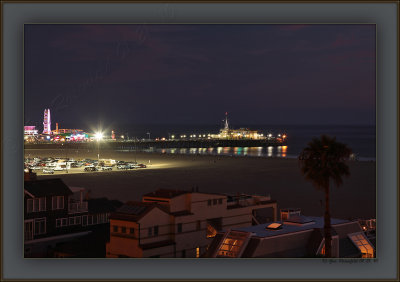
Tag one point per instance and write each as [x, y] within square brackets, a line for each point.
[134, 211]
[262, 231]
[47, 187]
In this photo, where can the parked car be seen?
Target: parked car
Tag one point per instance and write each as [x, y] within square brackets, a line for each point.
[90, 168]
[124, 167]
[104, 168]
[48, 170]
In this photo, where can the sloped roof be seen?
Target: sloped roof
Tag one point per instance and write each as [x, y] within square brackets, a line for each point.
[99, 205]
[47, 187]
[251, 248]
[347, 249]
[133, 211]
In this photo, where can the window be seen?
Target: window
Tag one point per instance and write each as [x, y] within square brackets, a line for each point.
[132, 230]
[198, 226]
[57, 202]
[35, 205]
[40, 226]
[123, 229]
[362, 243]
[42, 204]
[64, 222]
[77, 220]
[220, 201]
[197, 252]
[215, 201]
[72, 221]
[29, 205]
[155, 230]
[150, 231]
[58, 222]
[209, 203]
[179, 227]
[84, 220]
[115, 228]
[90, 220]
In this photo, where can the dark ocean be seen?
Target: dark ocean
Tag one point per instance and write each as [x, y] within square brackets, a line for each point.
[361, 139]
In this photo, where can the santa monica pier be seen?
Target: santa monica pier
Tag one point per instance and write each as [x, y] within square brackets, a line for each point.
[77, 138]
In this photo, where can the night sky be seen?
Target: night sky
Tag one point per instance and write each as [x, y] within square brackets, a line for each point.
[193, 74]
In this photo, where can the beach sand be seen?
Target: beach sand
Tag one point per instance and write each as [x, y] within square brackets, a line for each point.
[280, 178]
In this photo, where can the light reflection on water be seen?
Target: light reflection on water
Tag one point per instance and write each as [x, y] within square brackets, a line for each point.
[270, 151]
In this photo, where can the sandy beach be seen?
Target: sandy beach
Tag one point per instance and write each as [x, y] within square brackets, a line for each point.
[280, 178]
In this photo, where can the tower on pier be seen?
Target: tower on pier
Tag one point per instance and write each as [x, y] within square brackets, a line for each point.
[226, 121]
[46, 122]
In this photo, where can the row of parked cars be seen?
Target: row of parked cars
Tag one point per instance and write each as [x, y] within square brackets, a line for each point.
[49, 165]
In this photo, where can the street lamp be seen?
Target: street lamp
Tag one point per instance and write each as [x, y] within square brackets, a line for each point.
[98, 137]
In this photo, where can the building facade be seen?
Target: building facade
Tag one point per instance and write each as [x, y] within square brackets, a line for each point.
[55, 213]
[173, 223]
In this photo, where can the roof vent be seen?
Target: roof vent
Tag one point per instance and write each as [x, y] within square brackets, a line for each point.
[290, 212]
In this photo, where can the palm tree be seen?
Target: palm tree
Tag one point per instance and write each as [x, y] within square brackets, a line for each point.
[323, 160]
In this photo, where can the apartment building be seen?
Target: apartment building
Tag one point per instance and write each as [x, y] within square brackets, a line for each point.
[55, 213]
[177, 223]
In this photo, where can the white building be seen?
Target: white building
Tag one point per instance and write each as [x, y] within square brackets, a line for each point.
[172, 223]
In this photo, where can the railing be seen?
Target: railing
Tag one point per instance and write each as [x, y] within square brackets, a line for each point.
[78, 207]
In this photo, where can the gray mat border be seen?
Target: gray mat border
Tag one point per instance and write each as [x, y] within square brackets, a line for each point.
[383, 14]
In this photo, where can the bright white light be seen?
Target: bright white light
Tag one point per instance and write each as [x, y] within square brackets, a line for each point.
[269, 135]
[98, 136]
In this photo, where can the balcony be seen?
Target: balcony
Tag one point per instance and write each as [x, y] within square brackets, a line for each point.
[77, 207]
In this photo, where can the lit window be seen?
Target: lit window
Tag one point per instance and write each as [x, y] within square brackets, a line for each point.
[232, 244]
[197, 252]
[362, 243]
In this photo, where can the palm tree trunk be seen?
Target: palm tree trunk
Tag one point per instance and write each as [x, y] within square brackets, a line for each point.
[327, 225]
